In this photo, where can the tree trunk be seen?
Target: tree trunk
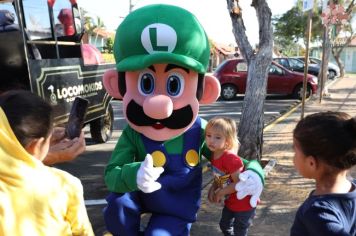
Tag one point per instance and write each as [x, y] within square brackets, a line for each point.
[324, 63]
[336, 51]
[252, 120]
[340, 64]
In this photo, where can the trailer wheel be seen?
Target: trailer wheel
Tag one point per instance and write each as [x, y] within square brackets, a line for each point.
[101, 128]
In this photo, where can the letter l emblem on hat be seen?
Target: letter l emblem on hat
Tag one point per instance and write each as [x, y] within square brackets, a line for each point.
[158, 38]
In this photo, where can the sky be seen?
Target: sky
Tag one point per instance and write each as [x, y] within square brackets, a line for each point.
[212, 14]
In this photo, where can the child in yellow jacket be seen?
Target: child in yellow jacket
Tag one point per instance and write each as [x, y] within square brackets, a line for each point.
[35, 199]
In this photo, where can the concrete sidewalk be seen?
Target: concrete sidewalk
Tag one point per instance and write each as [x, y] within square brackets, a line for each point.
[285, 189]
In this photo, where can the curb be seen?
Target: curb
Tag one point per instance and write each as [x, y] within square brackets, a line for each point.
[332, 82]
[283, 116]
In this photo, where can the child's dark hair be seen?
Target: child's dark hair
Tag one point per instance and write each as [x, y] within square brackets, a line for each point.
[29, 116]
[330, 137]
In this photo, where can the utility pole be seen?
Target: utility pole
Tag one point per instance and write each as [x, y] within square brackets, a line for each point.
[307, 6]
[131, 6]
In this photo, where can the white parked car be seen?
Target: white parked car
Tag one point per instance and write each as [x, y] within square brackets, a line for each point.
[333, 69]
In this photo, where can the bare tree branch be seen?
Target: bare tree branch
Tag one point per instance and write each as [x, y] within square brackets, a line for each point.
[239, 31]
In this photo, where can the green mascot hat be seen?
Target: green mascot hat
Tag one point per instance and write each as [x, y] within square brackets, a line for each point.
[161, 34]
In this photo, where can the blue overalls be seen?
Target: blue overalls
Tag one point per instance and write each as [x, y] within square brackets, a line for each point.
[175, 205]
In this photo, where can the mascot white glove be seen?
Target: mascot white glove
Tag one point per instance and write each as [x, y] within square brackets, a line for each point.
[147, 175]
[250, 184]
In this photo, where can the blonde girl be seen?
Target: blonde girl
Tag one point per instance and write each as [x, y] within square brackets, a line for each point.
[221, 139]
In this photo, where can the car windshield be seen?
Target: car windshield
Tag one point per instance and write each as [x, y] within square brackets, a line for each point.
[315, 60]
[282, 62]
[219, 68]
[295, 63]
[273, 69]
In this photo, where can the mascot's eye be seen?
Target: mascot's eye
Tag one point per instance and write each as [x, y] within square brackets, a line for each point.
[146, 83]
[175, 85]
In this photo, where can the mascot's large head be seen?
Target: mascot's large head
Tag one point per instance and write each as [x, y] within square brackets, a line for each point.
[162, 53]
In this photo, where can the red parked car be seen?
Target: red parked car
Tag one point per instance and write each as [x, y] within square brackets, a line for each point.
[232, 75]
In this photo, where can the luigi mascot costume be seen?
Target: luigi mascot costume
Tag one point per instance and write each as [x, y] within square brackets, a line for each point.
[162, 53]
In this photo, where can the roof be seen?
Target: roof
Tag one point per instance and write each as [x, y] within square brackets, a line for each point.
[224, 49]
[104, 33]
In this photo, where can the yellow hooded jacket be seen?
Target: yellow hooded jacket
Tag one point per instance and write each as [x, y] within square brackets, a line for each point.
[36, 199]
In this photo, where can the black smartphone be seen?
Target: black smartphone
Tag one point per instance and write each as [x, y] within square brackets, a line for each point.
[76, 117]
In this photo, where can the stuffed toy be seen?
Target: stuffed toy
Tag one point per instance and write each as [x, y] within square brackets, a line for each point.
[66, 18]
[162, 53]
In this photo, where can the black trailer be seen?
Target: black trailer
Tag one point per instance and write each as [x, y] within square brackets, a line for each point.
[41, 52]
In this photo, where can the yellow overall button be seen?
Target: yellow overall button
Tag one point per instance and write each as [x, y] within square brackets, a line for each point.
[192, 158]
[159, 159]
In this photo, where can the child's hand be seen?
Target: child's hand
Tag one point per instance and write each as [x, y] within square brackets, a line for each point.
[58, 134]
[211, 195]
[219, 196]
[63, 149]
[211, 192]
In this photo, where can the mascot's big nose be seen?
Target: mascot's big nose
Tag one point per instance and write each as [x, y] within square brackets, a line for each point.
[158, 107]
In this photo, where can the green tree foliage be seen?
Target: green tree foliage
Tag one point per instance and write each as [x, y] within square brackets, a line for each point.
[92, 26]
[291, 27]
[89, 25]
[109, 46]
